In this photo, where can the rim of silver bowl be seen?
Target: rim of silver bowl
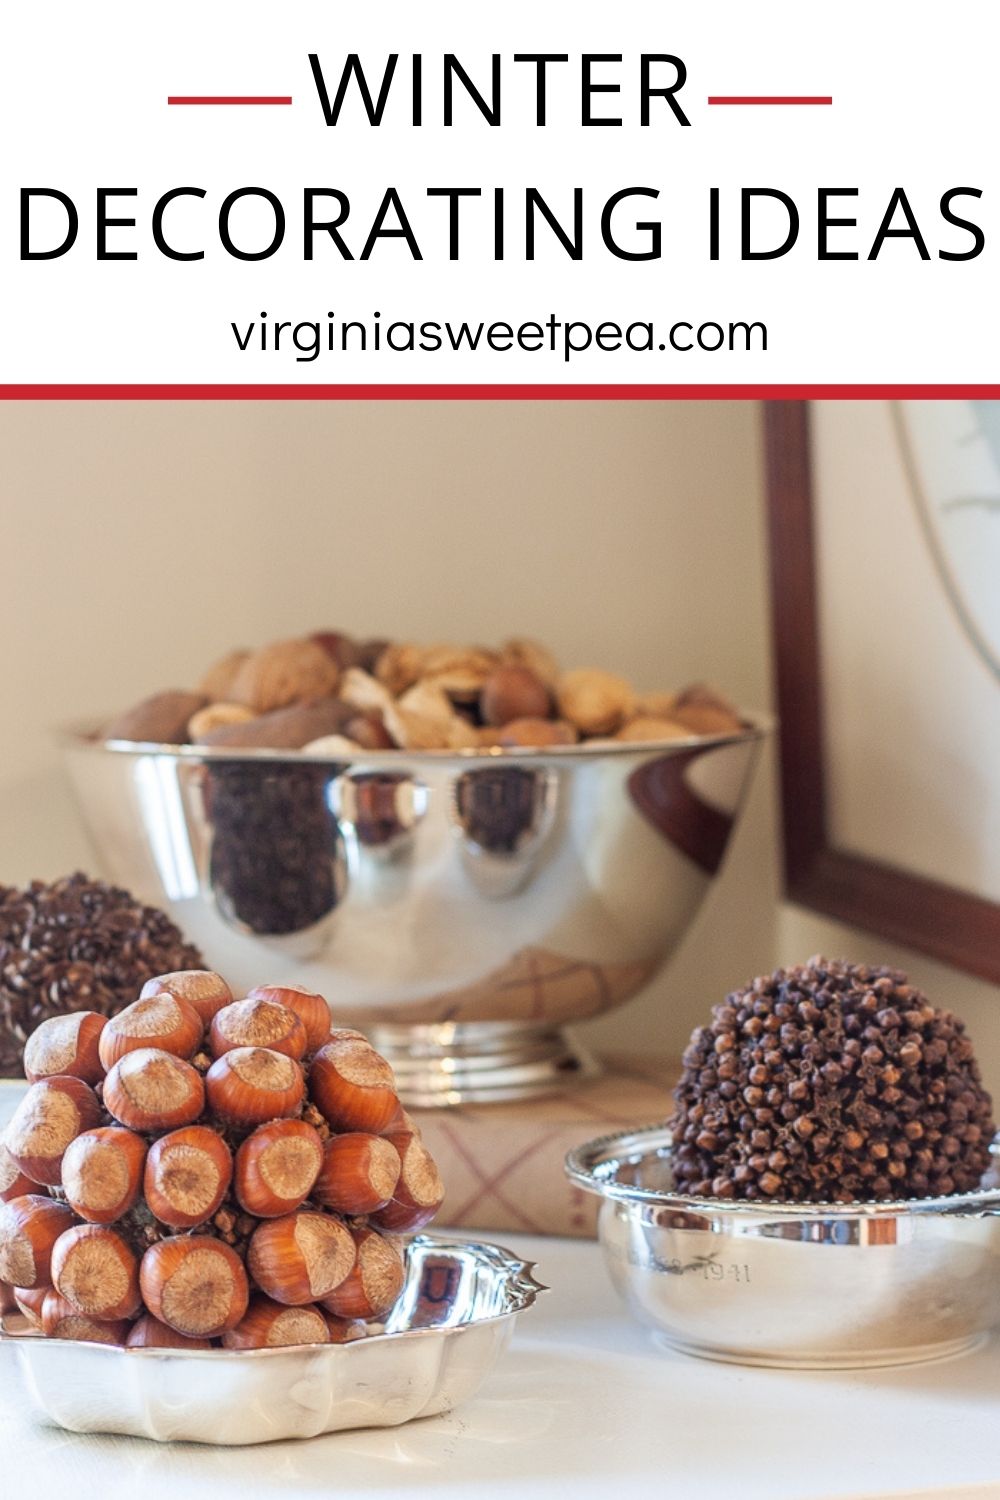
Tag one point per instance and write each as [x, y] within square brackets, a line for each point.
[594, 1167]
[80, 736]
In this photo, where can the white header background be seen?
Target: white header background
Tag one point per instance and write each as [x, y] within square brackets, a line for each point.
[83, 105]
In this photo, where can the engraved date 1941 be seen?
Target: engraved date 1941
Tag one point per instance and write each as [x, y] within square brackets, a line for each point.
[709, 1267]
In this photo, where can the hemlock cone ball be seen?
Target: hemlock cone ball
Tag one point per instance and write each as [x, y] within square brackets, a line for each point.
[831, 1082]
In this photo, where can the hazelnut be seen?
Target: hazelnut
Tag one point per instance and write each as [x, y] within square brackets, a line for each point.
[187, 1175]
[251, 1085]
[61, 1320]
[258, 1023]
[284, 673]
[96, 1271]
[523, 652]
[276, 1168]
[150, 1333]
[51, 1114]
[153, 1090]
[418, 1194]
[300, 1258]
[511, 693]
[216, 716]
[221, 675]
[353, 1086]
[204, 991]
[160, 720]
[66, 1045]
[373, 1285]
[102, 1173]
[344, 1330]
[358, 1175]
[13, 1182]
[270, 1325]
[163, 1021]
[194, 1284]
[30, 1300]
[310, 1007]
[594, 702]
[400, 1128]
[29, 1228]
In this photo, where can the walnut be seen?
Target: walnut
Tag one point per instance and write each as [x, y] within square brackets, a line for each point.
[459, 671]
[594, 702]
[284, 673]
[400, 666]
[448, 658]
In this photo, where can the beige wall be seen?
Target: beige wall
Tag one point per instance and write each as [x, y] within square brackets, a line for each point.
[801, 933]
[143, 539]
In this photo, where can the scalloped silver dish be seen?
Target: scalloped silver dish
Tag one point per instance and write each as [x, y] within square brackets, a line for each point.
[805, 1285]
[453, 1320]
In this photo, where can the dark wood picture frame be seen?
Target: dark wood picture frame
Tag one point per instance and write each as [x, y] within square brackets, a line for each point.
[949, 924]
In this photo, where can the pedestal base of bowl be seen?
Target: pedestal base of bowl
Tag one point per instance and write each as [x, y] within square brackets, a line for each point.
[480, 1062]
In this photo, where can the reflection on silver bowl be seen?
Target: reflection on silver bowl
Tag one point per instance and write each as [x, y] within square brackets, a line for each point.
[453, 1320]
[461, 908]
[822, 1286]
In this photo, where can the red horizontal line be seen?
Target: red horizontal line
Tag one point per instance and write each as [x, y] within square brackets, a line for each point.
[229, 99]
[770, 98]
[803, 392]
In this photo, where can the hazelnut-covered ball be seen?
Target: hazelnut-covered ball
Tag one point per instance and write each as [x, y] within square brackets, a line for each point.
[831, 1082]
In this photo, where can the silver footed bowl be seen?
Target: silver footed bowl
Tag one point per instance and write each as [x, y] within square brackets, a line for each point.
[816, 1286]
[453, 1320]
[461, 908]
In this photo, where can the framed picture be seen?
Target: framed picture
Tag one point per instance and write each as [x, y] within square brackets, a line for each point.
[885, 570]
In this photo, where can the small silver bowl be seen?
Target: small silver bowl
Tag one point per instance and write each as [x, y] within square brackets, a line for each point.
[451, 1323]
[811, 1286]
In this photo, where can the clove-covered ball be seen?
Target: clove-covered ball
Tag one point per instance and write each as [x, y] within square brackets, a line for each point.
[830, 1082]
[76, 944]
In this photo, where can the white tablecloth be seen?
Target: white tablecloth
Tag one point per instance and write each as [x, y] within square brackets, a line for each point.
[584, 1404]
